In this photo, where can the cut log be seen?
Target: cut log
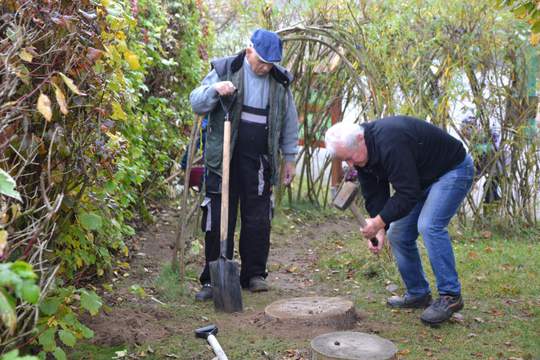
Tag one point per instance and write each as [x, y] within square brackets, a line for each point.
[348, 345]
[335, 312]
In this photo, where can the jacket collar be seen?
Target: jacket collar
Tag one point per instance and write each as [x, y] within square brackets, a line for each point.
[373, 155]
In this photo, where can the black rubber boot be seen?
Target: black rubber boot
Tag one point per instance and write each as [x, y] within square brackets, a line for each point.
[205, 293]
[442, 309]
[409, 302]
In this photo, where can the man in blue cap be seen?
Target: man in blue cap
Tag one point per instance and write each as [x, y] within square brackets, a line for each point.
[255, 91]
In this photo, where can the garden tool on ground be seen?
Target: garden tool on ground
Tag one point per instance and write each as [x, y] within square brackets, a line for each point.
[224, 274]
[209, 334]
[345, 199]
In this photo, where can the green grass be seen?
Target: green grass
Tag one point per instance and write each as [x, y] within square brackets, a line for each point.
[501, 286]
[168, 283]
[92, 352]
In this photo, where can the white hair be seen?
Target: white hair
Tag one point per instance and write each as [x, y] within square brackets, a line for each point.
[342, 134]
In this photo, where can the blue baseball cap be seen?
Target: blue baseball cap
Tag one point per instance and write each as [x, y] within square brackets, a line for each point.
[268, 45]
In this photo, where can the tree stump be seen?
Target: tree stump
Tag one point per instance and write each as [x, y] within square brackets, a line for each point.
[336, 312]
[348, 345]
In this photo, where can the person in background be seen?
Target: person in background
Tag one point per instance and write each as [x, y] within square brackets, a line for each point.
[431, 173]
[264, 128]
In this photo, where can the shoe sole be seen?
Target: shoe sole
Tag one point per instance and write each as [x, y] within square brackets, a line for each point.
[421, 306]
[258, 290]
[408, 307]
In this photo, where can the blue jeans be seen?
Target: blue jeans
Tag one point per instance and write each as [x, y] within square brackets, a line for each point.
[430, 217]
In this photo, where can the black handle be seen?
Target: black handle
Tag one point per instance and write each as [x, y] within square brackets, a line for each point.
[206, 331]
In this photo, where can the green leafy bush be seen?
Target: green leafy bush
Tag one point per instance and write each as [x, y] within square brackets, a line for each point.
[17, 285]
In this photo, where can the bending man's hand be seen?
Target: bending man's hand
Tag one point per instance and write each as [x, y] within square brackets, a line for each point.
[381, 238]
[224, 88]
[289, 170]
[373, 225]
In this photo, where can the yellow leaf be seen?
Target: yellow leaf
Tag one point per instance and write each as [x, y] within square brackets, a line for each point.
[121, 36]
[132, 60]
[22, 73]
[61, 99]
[116, 140]
[15, 211]
[71, 85]
[535, 39]
[78, 262]
[25, 55]
[44, 106]
[118, 112]
[3, 241]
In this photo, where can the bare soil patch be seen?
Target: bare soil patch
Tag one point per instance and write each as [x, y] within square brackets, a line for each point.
[128, 319]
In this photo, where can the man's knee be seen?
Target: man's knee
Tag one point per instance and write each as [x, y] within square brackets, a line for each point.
[428, 227]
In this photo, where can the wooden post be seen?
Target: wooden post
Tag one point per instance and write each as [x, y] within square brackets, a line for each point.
[337, 169]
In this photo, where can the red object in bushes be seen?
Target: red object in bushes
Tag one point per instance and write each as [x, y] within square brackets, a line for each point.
[196, 176]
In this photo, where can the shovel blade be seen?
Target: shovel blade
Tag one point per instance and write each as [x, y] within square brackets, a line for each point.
[226, 289]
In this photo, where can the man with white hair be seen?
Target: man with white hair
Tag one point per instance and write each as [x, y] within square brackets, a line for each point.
[430, 173]
[264, 126]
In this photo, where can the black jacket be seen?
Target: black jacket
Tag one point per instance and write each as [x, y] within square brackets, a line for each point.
[408, 153]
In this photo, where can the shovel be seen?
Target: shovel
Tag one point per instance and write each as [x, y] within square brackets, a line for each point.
[209, 333]
[224, 274]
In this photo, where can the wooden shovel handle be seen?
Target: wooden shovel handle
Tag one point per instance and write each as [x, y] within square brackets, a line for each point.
[225, 186]
[361, 221]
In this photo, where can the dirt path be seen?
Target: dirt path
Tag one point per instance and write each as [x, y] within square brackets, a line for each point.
[133, 320]
[150, 316]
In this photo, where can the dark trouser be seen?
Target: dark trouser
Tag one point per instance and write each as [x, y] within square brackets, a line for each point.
[250, 188]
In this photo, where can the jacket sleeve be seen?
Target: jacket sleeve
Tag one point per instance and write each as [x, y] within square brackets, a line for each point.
[204, 98]
[289, 133]
[375, 192]
[400, 166]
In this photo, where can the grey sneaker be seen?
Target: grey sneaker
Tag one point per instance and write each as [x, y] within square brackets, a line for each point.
[205, 293]
[409, 302]
[258, 284]
[442, 309]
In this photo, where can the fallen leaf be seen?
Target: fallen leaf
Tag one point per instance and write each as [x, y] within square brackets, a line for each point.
[404, 352]
[71, 85]
[497, 312]
[44, 106]
[292, 269]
